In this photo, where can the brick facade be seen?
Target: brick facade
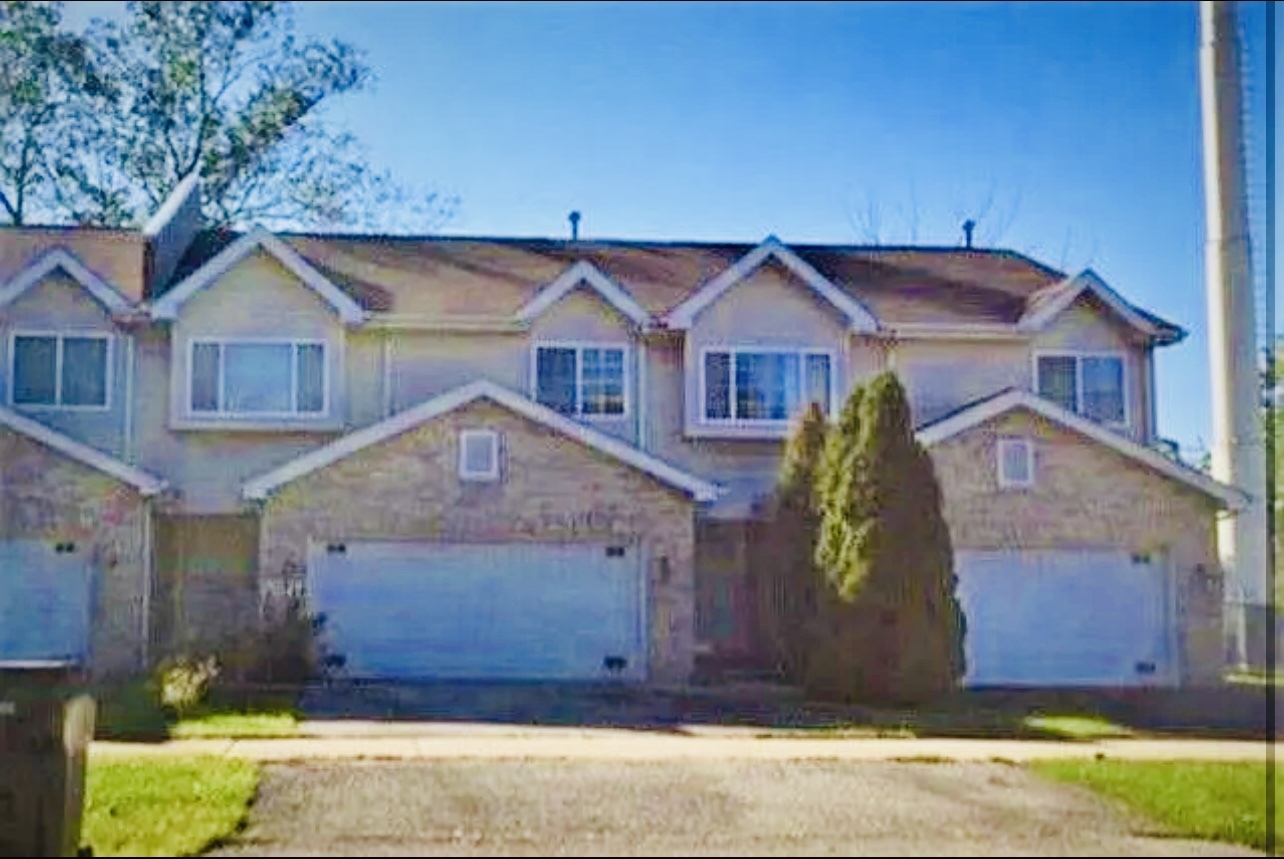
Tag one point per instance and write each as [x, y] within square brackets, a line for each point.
[45, 495]
[1089, 497]
[552, 488]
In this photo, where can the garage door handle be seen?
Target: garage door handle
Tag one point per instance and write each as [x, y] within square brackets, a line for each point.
[1144, 667]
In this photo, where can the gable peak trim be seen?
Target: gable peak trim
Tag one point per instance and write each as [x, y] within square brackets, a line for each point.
[859, 318]
[258, 238]
[61, 257]
[583, 271]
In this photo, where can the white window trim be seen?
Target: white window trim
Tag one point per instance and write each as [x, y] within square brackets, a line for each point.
[491, 474]
[803, 352]
[223, 414]
[579, 346]
[1079, 355]
[1006, 481]
[59, 337]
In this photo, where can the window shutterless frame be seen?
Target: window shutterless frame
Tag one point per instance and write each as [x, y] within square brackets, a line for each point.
[490, 438]
[732, 352]
[1025, 448]
[222, 413]
[626, 350]
[1079, 356]
[60, 337]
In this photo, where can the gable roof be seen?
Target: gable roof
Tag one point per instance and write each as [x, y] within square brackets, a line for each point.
[260, 487]
[145, 483]
[858, 317]
[61, 258]
[167, 306]
[905, 288]
[1044, 306]
[584, 272]
[979, 412]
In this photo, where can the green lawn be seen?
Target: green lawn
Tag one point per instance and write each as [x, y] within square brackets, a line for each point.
[162, 806]
[1214, 801]
[213, 725]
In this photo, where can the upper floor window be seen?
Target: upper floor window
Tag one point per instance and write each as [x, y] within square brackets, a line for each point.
[280, 378]
[1090, 385]
[581, 380]
[60, 370]
[763, 384]
[1016, 462]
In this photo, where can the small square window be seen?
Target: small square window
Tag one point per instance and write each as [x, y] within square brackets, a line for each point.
[1016, 462]
[478, 455]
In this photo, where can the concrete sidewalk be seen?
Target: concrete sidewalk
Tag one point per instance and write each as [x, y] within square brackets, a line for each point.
[455, 741]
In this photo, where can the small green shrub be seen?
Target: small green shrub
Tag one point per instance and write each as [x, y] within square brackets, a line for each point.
[184, 682]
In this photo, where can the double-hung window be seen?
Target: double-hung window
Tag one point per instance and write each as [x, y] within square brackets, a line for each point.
[581, 380]
[277, 378]
[1089, 384]
[60, 370]
[763, 386]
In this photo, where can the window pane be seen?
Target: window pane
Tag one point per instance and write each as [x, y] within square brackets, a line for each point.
[84, 371]
[766, 385]
[818, 381]
[310, 394]
[35, 361]
[1016, 462]
[479, 454]
[717, 385]
[1103, 395]
[603, 392]
[555, 379]
[1056, 380]
[256, 377]
[205, 377]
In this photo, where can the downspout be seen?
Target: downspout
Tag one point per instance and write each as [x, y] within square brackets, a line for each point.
[148, 549]
[387, 374]
[1152, 425]
[644, 436]
[128, 430]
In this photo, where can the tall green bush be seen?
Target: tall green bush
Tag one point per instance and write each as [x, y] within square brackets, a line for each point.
[893, 628]
[790, 567]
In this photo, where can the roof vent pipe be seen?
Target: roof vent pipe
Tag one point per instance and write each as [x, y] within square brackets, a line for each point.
[968, 226]
[574, 218]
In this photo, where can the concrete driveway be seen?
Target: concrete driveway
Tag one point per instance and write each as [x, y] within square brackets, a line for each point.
[684, 807]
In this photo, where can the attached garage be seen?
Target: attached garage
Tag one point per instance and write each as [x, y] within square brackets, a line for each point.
[1083, 558]
[75, 551]
[481, 535]
[1066, 618]
[501, 611]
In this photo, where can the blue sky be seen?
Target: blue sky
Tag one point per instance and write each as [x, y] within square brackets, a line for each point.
[1070, 131]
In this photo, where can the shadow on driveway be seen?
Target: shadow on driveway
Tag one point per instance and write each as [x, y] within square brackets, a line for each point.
[1221, 713]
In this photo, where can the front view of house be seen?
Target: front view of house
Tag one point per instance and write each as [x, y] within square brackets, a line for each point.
[537, 459]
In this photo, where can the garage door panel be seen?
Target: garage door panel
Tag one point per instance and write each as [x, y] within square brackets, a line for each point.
[44, 602]
[479, 611]
[1064, 618]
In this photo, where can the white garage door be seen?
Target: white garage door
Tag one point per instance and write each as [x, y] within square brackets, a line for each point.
[493, 611]
[1065, 619]
[44, 601]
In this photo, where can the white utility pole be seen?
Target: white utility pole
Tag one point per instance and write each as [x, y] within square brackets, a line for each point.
[1239, 451]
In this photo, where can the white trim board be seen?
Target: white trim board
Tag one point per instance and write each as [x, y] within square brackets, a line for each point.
[986, 410]
[858, 317]
[61, 258]
[168, 305]
[587, 273]
[145, 483]
[261, 487]
[1067, 292]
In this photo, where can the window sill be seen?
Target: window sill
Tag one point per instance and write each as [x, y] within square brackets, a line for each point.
[231, 424]
[738, 431]
[47, 408]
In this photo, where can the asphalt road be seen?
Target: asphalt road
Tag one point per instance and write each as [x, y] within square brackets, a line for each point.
[684, 808]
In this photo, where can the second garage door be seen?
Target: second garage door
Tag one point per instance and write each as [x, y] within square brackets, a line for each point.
[481, 611]
[1065, 618]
